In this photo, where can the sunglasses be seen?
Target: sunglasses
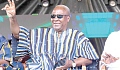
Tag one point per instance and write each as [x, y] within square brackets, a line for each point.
[58, 16]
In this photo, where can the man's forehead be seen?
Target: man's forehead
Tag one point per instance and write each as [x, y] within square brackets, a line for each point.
[57, 11]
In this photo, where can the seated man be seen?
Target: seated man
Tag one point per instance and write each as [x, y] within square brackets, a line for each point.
[57, 48]
[6, 58]
[110, 58]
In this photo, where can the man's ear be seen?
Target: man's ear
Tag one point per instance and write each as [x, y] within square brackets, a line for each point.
[68, 18]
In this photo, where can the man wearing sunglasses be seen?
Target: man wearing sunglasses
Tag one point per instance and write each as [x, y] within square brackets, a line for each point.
[53, 48]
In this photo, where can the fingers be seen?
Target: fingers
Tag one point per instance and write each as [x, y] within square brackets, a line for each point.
[107, 55]
[112, 59]
[104, 56]
[13, 2]
[10, 3]
[60, 68]
[117, 58]
[6, 6]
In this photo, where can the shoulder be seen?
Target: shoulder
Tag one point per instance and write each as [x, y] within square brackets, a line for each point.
[24, 29]
[113, 37]
[79, 33]
[2, 38]
[41, 29]
[114, 34]
[75, 30]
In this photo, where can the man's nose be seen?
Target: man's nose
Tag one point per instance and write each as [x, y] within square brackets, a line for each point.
[56, 18]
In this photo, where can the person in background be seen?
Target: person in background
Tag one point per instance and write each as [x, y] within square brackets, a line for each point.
[53, 48]
[110, 58]
[6, 58]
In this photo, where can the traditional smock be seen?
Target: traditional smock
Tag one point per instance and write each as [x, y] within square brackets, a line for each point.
[47, 48]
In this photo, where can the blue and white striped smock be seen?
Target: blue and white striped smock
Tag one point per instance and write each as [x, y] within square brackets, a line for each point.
[47, 48]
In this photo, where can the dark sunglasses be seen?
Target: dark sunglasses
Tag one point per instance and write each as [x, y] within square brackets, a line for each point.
[58, 16]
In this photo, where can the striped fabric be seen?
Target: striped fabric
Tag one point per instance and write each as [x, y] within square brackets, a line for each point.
[17, 50]
[6, 54]
[47, 48]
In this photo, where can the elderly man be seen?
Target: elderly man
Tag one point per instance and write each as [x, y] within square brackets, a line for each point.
[53, 48]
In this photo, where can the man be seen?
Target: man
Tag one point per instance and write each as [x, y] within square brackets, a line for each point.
[110, 57]
[58, 47]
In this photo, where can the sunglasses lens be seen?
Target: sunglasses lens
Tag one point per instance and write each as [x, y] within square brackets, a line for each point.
[53, 16]
[59, 16]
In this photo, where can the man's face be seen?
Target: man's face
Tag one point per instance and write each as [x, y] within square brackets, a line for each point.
[59, 19]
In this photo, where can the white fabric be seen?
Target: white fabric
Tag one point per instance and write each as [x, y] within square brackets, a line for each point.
[112, 46]
[114, 68]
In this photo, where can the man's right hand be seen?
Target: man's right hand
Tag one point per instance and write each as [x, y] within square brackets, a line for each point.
[10, 8]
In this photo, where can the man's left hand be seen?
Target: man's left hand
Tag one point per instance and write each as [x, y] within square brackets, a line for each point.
[66, 66]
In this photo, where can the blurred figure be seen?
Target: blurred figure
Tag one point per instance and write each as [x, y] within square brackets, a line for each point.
[6, 58]
[110, 57]
[5, 53]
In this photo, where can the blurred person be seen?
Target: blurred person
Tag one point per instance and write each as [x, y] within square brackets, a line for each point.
[110, 58]
[48, 45]
[6, 58]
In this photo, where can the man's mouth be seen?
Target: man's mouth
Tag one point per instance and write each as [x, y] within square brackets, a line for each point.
[56, 23]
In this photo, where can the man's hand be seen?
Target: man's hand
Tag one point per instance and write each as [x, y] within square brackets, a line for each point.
[2, 61]
[10, 8]
[61, 68]
[2, 68]
[24, 58]
[66, 66]
[108, 58]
